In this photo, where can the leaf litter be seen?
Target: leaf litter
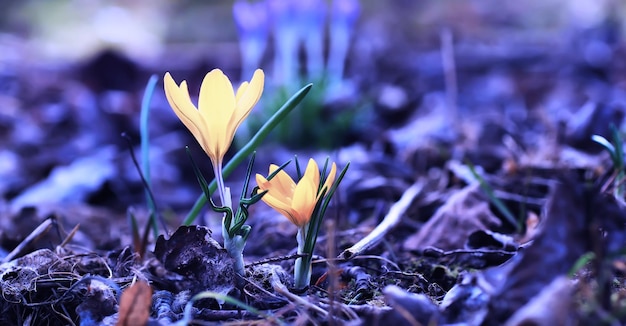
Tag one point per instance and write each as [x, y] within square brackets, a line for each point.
[526, 117]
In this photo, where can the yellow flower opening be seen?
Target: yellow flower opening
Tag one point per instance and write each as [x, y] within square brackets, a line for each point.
[295, 201]
[220, 109]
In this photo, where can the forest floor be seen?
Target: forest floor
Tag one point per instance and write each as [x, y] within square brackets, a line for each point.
[474, 161]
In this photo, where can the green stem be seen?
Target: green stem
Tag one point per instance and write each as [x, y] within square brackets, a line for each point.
[225, 201]
[302, 269]
[249, 148]
[219, 178]
[235, 246]
[144, 132]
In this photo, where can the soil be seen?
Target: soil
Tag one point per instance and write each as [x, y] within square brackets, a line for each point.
[469, 129]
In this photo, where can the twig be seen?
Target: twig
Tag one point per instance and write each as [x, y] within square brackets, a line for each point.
[390, 221]
[383, 259]
[70, 236]
[42, 229]
[144, 181]
[275, 259]
[282, 289]
[332, 271]
[343, 308]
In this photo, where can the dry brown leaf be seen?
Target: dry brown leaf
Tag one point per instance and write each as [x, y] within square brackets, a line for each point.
[135, 305]
[466, 212]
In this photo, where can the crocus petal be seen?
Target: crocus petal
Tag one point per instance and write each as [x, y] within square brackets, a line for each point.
[282, 182]
[240, 91]
[273, 188]
[214, 121]
[312, 173]
[181, 103]
[262, 182]
[179, 100]
[281, 205]
[251, 93]
[216, 105]
[304, 200]
[202, 133]
[296, 202]
[279, 195]
[248, 94]
[330, 179]
[277, 203]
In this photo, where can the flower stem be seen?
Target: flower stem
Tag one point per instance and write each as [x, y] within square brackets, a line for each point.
[302, 269]
[219, 178]
[233, 245]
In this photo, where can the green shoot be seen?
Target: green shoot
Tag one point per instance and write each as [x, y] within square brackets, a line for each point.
[145, 148]
[581, 262]
[311, 229]
[187, 318]
[615, 148]
[495, 200]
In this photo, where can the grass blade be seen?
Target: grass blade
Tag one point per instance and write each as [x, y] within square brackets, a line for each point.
[225, 298]
[144, 132]
[495, 200]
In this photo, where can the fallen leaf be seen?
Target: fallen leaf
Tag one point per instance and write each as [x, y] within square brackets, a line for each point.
[135, 305]
[466, 212]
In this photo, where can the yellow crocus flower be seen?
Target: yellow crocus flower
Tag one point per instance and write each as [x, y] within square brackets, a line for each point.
[295, 201]
[220, 109]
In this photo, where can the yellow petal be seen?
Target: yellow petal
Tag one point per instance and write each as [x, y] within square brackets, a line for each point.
[216, 105]
[291, 217]
[282, 183]
[304, 200]
[312, 173]
[330, 179]
[180, 101]
[273, 167]
[273, 189]
[278, 203]
[289, 214]
[247, 97]
[262, 182]
[240, 91]
[203, 136]
[249, 94]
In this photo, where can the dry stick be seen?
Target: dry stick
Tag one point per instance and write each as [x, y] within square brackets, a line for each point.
[332, 269]
[70, 236]
[282, 289]
[42, 229]
[345, 309]
[389, 222]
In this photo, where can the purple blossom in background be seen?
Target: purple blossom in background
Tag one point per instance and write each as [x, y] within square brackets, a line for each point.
[293, 24]
[252, 24]
[283, 15]
[312, 16]
[343, 17]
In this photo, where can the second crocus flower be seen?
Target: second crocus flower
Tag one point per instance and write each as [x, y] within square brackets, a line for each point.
[303, 203]
[295, 201]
